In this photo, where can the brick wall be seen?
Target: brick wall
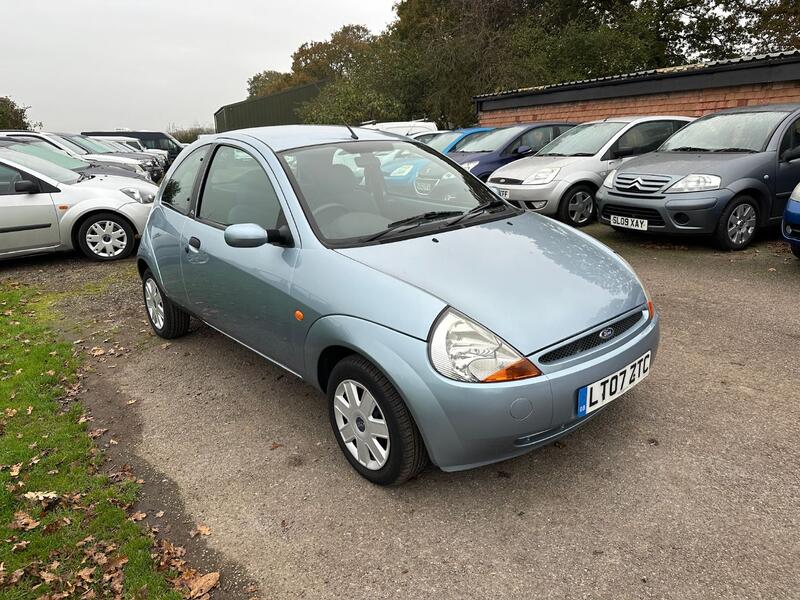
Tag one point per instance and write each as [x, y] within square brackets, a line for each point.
[693, 104]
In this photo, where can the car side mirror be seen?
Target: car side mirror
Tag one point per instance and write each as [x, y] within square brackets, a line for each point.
[26, 186]
[623, 152]
[523, 150]
[250, 235]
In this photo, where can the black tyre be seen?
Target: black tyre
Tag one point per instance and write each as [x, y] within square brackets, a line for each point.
[372, 425]
[796, 250]
[577, 206]
[106, 236]
[167, 320]
[737, 224]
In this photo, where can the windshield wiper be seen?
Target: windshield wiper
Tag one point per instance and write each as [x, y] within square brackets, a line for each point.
[688, 149]
[552, 154]
[478, 210]
[414, 221]
[82, 176]
[748, 150]
[582, 154]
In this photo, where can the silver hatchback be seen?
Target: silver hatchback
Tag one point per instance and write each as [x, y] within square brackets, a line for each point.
[564, 176]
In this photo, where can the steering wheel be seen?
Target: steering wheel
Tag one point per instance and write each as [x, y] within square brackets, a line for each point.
[332, 207]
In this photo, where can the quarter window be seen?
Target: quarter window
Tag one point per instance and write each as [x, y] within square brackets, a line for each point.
[237, 190]
[178, 190]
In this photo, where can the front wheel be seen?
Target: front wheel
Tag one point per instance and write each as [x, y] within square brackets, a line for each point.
[106, 236]
[372, 425]
[576, 207]
[737, 224]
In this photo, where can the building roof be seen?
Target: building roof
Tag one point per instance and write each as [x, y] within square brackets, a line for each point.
[759, 68]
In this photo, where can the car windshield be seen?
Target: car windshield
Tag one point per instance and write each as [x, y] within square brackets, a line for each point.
[493, 140]
[49, 154]
[90, 145]
[72, 146]
[39, 166]
[363, 191]
[470, 137]
[443, 140]
[732, 132]
[583, 140]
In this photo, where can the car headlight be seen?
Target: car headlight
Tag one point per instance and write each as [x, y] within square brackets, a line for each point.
[463, 350]
[609, 180]
[696, 182]
[542, 176]
[136, 194]
[470, 165]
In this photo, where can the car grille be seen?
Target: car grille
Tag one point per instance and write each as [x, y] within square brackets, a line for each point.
[592, 340]
[631, 183]
[634, 212]
[506, 180]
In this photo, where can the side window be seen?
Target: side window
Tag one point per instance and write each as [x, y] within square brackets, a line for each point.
[178, 190]
[643, 138]
[790, 144]
[677, 125]
[538, 138]
[237, 190]
[8, 177]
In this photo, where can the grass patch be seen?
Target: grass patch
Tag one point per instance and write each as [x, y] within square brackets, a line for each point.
[64, 530]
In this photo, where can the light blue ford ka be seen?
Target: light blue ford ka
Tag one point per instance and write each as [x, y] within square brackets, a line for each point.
[441, 322]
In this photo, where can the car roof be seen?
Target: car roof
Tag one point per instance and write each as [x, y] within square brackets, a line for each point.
[284, 137]
[789, 108]
[641, 118]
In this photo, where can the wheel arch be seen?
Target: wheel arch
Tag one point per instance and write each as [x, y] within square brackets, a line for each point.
[79, 221]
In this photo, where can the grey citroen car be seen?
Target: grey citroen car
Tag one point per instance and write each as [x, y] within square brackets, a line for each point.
[401, 307]
[563, 177]
[725, 175]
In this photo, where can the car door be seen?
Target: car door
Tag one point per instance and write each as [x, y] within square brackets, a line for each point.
[243, 292]
[28, 220]
[788, 172]
[167, 221]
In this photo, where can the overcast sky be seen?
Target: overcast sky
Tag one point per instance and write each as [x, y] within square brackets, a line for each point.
[150, 64]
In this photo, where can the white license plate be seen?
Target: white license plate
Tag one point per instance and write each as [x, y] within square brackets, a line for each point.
[502, 193]
[600, 393]
[628, 223]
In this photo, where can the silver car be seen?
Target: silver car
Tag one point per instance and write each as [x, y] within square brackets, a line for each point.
[47, 208]
[564, 176]
[446, 325]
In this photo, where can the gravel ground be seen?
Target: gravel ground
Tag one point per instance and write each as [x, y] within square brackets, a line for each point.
[687, 487]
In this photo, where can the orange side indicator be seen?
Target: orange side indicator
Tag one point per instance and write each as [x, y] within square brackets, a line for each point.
[522, 369]
[651, 309]
[298, 314]
[63, 206]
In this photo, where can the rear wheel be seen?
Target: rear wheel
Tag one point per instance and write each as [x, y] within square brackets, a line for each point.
[576, 207]
[106, 236]
[737, 224]
[372, 425]
[167, 319]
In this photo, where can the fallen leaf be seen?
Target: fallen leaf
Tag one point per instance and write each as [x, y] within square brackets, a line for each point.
[96, 433]
[86, 574]
[23, 520]
[160, 514]
[200, 530]
[14, 472]
[202, 585]
[20, 546]
[97, 351]
[138, 516]
[275, 446]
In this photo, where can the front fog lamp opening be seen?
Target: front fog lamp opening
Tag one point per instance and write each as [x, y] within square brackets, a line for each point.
[463, 350]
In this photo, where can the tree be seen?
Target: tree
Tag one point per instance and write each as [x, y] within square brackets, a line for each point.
[14, 116]
[268, 82]
[776, 25]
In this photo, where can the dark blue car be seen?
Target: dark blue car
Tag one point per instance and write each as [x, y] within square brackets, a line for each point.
[791, 221]
[485, 154]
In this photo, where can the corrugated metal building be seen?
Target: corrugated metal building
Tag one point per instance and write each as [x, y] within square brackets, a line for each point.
[691, 90]
[276, 109]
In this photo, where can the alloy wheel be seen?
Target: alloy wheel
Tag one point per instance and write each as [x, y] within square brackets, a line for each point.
[580, 207]
[154, 303]
[106, 239]
[741, 224]
[361, 424]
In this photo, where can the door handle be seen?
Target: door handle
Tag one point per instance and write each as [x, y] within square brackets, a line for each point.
[194, 243]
